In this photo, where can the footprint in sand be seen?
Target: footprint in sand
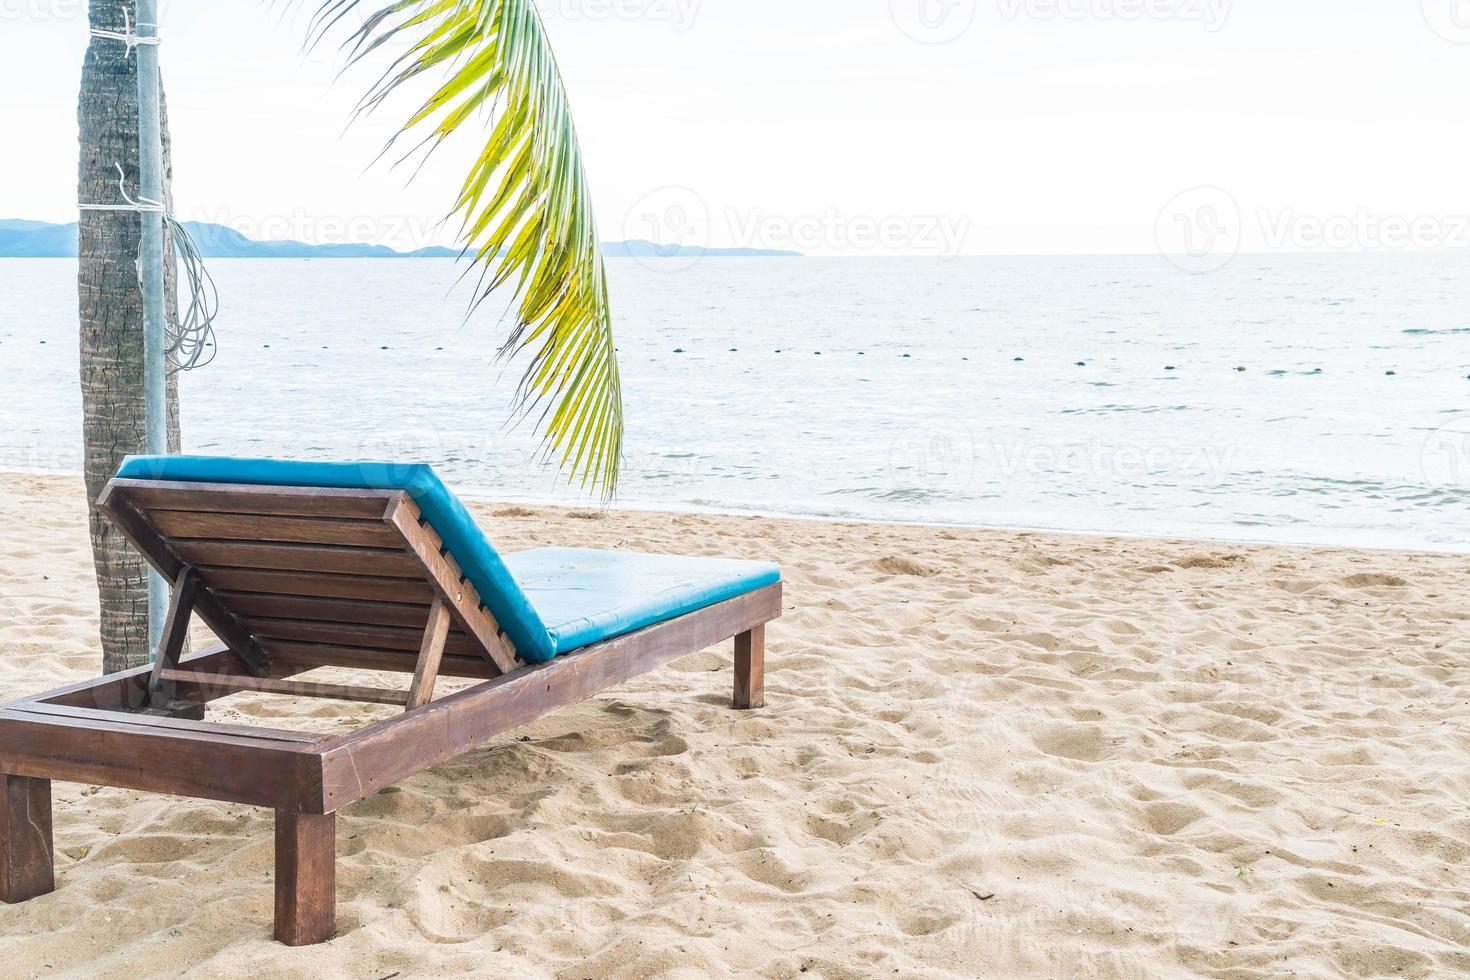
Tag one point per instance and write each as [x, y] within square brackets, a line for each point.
[1211, 561]
[1370, 580]
[1167, 819]
[1296, 586]
[903, 565]
[1084, 743]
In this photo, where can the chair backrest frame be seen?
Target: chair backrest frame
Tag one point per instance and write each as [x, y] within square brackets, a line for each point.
[319, 575]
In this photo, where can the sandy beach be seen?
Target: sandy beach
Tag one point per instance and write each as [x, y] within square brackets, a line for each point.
[985, 754]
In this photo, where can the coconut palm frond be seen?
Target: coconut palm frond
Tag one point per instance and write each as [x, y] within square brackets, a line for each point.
[525, 211]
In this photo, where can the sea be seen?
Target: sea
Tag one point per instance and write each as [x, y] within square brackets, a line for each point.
[1312, 399]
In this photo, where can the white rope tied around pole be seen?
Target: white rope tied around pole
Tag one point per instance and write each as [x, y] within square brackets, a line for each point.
[191, 341]
[128, 35]
[139, 205]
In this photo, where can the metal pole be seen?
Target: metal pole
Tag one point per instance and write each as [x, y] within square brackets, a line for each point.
[151, 263]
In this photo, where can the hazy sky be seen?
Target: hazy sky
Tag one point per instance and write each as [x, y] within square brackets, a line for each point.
[842, 126]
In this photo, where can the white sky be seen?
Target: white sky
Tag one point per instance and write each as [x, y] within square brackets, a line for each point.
[1040, 126]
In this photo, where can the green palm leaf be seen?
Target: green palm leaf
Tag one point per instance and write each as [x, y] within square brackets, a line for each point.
[524, 209]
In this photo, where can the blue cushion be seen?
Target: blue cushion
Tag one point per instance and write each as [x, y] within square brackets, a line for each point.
[549, 601]
[480, 562]
[587, 596]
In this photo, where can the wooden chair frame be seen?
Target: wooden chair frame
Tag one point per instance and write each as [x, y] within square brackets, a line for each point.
[235, 554]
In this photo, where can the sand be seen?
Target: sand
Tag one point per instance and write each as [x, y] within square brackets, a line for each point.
[985, 754]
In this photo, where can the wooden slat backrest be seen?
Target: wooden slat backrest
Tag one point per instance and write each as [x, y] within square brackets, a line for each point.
[310, 575]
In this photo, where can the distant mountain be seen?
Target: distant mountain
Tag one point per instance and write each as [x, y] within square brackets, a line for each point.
[40, 240]
[37, 240]
[639, 248]
[16, 224]
[219, 242]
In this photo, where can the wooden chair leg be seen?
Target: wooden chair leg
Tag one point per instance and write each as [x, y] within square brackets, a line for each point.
[431, 654]
[306, 877]
[26, 850]
[175, 632]
[750, 669]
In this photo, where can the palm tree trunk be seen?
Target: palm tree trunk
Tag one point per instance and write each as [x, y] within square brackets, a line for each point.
[111, 306]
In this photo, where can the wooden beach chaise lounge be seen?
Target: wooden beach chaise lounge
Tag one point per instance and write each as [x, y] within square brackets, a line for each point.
[376, 566]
